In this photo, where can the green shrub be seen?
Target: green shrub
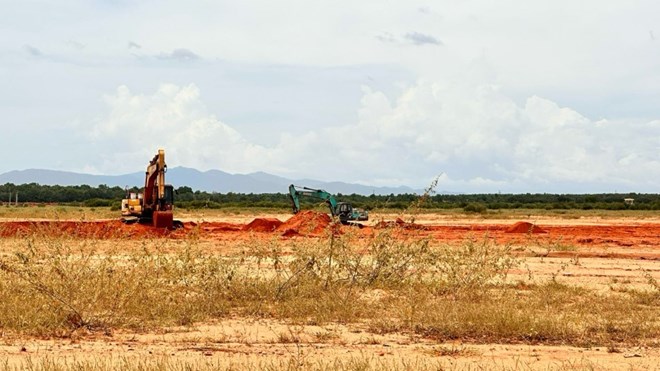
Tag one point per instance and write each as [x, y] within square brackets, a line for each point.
[475, 207]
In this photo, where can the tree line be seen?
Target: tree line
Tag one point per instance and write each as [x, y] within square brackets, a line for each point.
[186, 197]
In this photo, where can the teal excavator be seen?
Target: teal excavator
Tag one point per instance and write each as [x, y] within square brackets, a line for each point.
[342, 210]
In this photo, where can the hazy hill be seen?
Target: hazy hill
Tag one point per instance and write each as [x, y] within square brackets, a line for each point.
[211, 181]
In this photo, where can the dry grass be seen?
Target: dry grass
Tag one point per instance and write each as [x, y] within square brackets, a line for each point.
[64, 212]
[65, 287]
[56, 212]
[68, 212]
[300, 362]
[61, 286]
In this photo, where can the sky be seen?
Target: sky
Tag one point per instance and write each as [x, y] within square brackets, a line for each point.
[513, 96]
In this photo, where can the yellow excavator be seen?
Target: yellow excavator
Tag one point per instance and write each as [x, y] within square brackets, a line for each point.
[155, 203]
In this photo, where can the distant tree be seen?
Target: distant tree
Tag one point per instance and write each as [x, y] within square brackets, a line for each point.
[184, 190]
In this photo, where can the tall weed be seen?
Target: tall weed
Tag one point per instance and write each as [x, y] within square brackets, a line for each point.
[468, 269]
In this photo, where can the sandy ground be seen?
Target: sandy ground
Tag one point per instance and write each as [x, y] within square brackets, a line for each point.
[599, 253]
[254, 342]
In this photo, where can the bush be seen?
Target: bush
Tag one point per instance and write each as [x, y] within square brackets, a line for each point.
[475, 207]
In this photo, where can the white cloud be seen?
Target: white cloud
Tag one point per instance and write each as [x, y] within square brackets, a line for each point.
[509, 100]
[173, 118]
[480, 139]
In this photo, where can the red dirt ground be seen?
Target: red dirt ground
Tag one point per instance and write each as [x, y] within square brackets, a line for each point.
[606, 241]
[398, 223]
[621, 239]
[80, 229]
[524, 227]
[307, 223]
[263, 225]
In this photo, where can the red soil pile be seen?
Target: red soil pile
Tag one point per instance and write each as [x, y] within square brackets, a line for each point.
[524, 227]
[306, 222]
[398, 223]
[290, 233]
[263, 225]
[79, 229]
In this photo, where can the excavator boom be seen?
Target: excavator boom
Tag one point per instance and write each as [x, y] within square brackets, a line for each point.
[295, 192]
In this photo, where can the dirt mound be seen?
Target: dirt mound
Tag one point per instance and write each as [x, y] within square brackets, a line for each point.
[398, 223]
[263, 225]
[290, 233]
[525, 227]
[305, 223]
[79, 229]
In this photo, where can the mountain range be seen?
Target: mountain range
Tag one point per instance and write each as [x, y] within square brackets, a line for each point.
[210, 181]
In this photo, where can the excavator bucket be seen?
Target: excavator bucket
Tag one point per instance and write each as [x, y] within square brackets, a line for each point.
[163, 219]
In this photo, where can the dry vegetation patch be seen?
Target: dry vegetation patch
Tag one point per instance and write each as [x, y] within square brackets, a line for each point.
[388, 282]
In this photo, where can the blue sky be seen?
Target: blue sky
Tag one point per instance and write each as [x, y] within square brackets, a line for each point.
[510, 96]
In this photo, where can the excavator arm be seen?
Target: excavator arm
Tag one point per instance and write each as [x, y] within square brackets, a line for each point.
[152, 175]
[296, 191]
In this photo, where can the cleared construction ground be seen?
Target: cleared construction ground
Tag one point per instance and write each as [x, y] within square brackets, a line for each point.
[302, 292]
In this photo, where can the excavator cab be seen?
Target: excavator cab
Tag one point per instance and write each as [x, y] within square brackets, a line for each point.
[344, 211]
[168, 198]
